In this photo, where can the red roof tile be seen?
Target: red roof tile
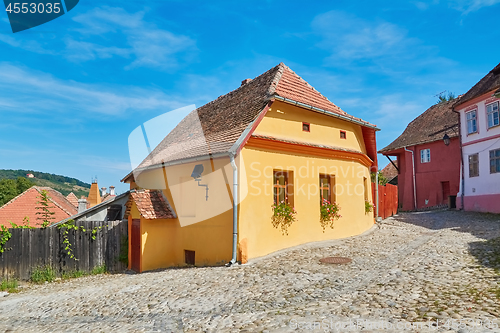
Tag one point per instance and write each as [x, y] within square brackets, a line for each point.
[152, 204]
[25, 205]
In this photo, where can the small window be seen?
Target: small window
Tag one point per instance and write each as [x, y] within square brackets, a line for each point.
[471, 121]
[189, 257]
[306, 127]
[425, 156]
[493, 114]
[283, 187]
[474, 165]
[343, 134]
[365, 188]
[495, 161]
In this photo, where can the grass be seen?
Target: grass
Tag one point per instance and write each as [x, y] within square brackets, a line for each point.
[42, 275]
[9, 285]
[47, 274]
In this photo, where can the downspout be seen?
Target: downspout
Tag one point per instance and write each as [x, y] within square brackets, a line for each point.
[376, 195]
[462, 171]
[235, 210]
[414, 185]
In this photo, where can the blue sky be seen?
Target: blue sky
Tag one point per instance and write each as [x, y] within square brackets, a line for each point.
[72, 90]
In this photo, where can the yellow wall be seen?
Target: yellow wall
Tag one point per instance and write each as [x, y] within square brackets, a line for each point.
[285, 121]
[206, 229]
[255, 211]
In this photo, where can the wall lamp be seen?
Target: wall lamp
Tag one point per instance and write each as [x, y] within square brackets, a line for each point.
[446, 140]
[196, 174]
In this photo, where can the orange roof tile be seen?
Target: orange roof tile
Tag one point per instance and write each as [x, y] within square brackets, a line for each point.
[24, 205]
[152, 204]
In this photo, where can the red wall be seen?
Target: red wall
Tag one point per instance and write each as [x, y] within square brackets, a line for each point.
[444, 166]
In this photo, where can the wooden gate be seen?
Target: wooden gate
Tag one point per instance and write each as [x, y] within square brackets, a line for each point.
[387, 200]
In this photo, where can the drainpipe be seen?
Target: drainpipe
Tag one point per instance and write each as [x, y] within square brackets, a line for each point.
[462, 162]
[413, 167]
[235, 210]
[376, 195]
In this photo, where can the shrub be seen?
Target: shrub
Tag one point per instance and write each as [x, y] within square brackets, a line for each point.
[9, 286]
[329, 212]
[283, 216]
[40, 275]
[368, 207]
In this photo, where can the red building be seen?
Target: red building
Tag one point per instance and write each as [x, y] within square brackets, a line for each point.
[428, 159]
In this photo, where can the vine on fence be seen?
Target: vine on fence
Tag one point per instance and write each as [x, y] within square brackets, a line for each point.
[5, 235]
[70, 225]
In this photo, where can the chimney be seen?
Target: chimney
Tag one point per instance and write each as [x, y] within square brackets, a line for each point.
[103, 189]
[111, 190]
[245, 81]
[82, 205]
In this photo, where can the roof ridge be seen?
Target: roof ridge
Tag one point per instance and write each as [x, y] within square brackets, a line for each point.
[16, 197]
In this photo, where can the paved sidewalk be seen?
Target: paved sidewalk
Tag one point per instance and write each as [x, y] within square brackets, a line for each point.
[414, 268]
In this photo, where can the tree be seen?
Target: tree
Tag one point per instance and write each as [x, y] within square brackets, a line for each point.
[10, 188]
[44, 206]
[442, 98]
[381, 178]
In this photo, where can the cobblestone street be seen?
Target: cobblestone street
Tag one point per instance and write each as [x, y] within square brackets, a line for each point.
[415, 267]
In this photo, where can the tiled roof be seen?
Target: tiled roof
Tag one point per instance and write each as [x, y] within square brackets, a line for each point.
[25, 205]
[73, 199]
[390, 171]
[152, 204]
[107, 197]
[488, 83]
[216, 126]
[430, 126]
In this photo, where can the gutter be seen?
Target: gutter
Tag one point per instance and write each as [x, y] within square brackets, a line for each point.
[462, 171]
[329, 113]
[235, 211]
[414, 185]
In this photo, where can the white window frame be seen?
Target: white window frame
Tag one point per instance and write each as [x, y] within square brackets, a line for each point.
[471, 121]
[425, 156]
[490, 114]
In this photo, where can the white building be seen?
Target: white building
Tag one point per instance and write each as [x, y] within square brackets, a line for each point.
[480, 137]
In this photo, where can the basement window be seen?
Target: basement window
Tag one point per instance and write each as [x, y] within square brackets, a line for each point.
[343, 134]
[189, 257]
[306, 127]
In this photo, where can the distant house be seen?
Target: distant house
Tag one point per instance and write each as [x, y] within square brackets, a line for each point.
[24, 205]
[73, 199]
[30, 175]
[480, 133]
[428, 165]
[195, 204]
[390, 172]
[112, 209]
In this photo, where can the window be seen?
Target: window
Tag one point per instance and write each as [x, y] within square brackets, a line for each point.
[306, 127]
[495, 161]
[365, 188]
[425, 156]
[343, 134]
[471, 122]
[474, 165]
[283, 187]
[327, 188]
[492, 111]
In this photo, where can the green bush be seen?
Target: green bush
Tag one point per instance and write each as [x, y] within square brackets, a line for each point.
[8, 285]
[40, 275]
[99, 270]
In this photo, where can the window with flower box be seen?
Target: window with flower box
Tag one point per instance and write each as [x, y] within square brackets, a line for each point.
[283, 186]
[327, 187]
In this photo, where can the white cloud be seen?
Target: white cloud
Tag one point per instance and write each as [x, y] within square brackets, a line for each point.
[468, 6]
[148, 45]
[35, 91]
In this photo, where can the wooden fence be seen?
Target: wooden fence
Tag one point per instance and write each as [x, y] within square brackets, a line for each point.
[28, 249]
[387, 200]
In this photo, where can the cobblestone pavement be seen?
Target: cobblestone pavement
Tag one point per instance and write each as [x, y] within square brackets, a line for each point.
[411, 269]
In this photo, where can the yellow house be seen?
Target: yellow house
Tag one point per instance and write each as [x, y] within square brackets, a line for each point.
[205, 194]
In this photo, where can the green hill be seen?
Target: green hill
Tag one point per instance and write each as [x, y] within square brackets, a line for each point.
[63, 184]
